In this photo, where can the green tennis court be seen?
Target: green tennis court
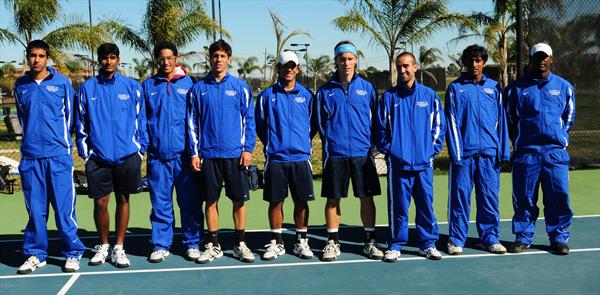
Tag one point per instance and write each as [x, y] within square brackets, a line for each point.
[476, 271]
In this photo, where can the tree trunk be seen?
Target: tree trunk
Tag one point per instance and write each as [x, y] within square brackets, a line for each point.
[503, 61]
[392, 69]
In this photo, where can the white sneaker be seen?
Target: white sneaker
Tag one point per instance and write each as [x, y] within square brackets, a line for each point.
[192, 254]
[72, 264]
[453, 249]
[431, 253]
[331, 251]
[391, 255]
[118, 257]
[243, 253]
[370, 249]
[273, 250]
[158, 256]
[30, 265]
[101, 255]
[496, 248]
[210, 253]
[302, 249]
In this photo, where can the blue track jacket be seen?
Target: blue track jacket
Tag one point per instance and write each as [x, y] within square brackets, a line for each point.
[346, 117]
[166, 106]
[45, 114]
[111, 119]
[283, 123]
[476, 120]
[221, 118]
[410, 126]
[541, 109]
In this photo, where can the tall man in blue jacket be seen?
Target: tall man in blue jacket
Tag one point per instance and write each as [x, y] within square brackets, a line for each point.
[222, 136]
[45, 109]
[283, 124]
[166, 99]
[111, 138]
[541, 112]
[410, 131]
[345, 107]
[478, 141]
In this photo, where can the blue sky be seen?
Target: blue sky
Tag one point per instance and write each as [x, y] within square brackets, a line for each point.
[250, 26]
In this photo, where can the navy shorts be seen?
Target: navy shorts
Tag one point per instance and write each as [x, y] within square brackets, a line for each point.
[215, 171]
[125, 178]
[295, 175]
[339, 171]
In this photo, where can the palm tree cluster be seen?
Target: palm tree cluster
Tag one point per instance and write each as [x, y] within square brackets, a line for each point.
[390, 23]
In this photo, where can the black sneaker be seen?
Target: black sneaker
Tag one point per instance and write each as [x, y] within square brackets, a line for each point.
[518, 247]
[560, 248]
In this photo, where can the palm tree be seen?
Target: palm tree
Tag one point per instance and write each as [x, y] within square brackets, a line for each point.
[176, 21]
[141, 67]
[31, 18]
[281, 38]
[248, 66]
[427, 57]
[320, 67]
[496, 27]
[390, 22]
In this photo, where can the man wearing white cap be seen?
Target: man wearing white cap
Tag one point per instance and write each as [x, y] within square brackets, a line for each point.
[283, 124]
[345, 106]
[541, 111]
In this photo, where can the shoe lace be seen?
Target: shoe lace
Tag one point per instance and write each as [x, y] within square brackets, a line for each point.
[119, 253]
[71, 260]
[329, 249]
[33, 260]
[100, 248]
[242, 248]
[193, 251]
[271, 246]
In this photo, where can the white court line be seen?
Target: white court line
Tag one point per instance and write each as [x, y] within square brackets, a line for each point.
[268, 230]
[68, 285]
[292, 264]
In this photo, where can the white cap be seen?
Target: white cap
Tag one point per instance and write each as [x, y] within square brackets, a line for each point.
[541, 47]
[288, 56]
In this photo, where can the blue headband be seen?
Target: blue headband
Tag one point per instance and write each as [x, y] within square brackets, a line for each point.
[345, 48]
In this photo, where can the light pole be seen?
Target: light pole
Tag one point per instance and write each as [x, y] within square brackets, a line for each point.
[305, 55]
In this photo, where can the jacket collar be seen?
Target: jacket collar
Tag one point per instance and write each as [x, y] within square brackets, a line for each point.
[180, 72]
[116, 76]
[50, 69]
[465, 80]
[211, 79]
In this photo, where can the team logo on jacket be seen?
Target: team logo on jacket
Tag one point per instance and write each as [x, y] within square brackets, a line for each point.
[123, 96]
[361, 92]
[51, 88]
[488, 90]
[422, 104]
[230, 92]
[182, 91]
[554, 92]
[299, 99]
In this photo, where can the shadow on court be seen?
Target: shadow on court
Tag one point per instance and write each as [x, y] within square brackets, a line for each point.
[138, 243]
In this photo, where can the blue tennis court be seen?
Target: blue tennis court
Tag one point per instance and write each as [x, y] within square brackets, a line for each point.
[476, 271]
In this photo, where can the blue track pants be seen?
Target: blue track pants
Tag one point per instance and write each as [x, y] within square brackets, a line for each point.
[163, 176]
[551, 170]
[48, 181]
[403, 184]
[485, 174]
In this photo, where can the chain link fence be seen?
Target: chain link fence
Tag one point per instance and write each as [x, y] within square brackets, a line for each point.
[571, 27]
